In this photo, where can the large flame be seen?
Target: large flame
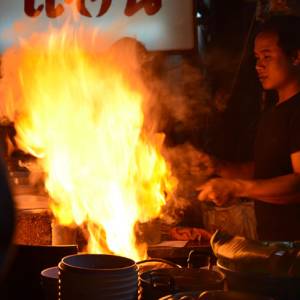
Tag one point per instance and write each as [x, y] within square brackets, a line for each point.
[81, 114]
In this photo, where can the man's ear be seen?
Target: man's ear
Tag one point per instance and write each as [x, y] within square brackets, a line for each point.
[296, 59]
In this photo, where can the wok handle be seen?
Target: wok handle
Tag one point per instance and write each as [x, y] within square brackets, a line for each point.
[193, 259]
[159, 280]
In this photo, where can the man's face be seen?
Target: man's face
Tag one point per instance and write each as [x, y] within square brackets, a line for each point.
[273, 66]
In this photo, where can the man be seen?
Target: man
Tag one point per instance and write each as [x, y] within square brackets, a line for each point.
[273, 179]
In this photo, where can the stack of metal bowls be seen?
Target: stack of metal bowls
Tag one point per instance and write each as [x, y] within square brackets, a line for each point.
[97, 276]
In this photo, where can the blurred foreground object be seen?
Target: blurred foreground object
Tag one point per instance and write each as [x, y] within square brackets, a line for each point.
[7, 218]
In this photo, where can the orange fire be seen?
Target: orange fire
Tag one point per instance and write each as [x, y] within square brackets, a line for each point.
[80, 112]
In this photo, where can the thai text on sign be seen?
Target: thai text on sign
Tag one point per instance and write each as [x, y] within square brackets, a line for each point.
[55, 9]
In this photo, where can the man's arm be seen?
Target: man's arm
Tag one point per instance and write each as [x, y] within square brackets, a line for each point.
[234, 170]
[277, 190]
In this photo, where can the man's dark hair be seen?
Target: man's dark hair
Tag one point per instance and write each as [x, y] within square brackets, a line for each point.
[287, 28]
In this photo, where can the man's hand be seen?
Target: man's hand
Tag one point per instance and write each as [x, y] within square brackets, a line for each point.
[220, 190]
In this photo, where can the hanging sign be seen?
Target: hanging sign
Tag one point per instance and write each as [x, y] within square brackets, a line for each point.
[159, 24]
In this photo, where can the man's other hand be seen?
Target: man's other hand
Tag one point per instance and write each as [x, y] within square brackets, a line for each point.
[220, 191]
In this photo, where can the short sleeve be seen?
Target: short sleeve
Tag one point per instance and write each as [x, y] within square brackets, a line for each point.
[294, 128]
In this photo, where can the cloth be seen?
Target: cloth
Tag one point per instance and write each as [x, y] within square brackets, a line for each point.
[277, 138]
[190, 234]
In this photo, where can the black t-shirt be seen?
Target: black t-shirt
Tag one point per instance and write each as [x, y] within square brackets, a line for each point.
[277, 138]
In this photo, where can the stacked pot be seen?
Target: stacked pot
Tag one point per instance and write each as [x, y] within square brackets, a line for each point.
[97, 276]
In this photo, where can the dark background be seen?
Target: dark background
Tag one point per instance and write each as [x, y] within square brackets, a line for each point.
[224, 52]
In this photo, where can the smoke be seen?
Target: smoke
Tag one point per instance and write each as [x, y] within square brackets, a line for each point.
[192, 167]
[180, 94]
[223, 67]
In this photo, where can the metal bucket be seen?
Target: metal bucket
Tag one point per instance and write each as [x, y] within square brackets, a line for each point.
[49, 282]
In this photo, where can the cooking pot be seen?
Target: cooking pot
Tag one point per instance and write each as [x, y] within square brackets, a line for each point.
[279, 287]
[214, 295]
[161, 282]
[154, 264]
[230, 295]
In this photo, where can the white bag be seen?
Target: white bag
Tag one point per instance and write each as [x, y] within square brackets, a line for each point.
[238, 219]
